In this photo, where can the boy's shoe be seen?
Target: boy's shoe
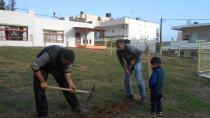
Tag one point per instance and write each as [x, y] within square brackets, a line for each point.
[153, 114]
[160, 113]
[42, 116]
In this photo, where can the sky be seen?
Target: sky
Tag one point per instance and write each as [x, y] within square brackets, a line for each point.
[151, 10]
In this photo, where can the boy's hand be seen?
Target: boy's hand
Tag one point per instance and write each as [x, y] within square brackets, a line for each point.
[44, 85]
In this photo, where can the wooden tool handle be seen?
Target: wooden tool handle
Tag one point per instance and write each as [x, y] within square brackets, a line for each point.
[70, 90]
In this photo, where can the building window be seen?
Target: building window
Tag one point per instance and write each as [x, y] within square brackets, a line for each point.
[157, 34]
[53, 36]
[187, 37]
[125, 26]
[17, 33]
[85, 41]
[90, 41]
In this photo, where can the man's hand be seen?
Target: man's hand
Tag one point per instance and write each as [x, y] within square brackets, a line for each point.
[44, 85]
[73, 87]
[127, 71]
[70, 82]
[133, 61]
[41, 79]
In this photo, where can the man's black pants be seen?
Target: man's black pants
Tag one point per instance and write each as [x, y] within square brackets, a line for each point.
[155, 101]
[40, 98]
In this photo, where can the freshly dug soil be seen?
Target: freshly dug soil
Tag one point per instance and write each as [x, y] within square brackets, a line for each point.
[114, 110]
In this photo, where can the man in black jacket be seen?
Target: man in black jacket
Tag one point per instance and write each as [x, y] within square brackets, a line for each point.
[57, 61]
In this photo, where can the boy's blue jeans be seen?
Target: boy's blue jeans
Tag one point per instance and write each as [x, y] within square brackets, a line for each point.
[139, 79]
[155, 98]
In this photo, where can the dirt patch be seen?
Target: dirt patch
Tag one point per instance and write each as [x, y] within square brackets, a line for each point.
[113, 110]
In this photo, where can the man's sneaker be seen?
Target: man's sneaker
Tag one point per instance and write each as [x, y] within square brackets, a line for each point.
[142, 101]
[160, 113]
[80, 110]
[130, 97]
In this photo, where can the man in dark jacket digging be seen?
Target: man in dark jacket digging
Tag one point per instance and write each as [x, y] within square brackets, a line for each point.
[55, 60]
[129, 58]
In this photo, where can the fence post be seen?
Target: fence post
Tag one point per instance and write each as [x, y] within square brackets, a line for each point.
[148, 60]
[199, 49]
[179, 51]
[111, 48]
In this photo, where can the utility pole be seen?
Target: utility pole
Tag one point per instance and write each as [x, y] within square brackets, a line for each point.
[161, 23]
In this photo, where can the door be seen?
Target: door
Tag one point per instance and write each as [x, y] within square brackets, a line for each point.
[77, 39]
[194, 37]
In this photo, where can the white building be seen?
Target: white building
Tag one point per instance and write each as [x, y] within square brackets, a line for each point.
[29, 29]
[193, 32]
[188, 38]
[134, 30]
[96, 20]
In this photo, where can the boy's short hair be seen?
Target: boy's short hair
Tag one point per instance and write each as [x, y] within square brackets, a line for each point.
[127, 41]
[120, 41]
[155, 61]
[68, 55]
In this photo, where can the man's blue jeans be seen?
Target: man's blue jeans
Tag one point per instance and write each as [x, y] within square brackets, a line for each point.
[139, 79]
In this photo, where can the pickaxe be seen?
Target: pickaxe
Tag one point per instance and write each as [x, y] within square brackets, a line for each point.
[76, 91]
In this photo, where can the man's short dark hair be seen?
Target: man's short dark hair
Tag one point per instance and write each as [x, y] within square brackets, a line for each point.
[68, 55]
[155, 61]
[120, 41]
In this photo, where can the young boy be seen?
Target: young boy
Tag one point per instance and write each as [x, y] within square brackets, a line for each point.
[156, 86]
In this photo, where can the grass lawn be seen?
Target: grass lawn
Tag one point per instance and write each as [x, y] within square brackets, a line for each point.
[185, 94]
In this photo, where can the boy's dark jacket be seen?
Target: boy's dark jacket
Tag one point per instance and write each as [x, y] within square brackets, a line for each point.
[156, 80]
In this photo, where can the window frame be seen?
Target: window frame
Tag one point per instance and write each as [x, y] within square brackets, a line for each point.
[7, 31]
[52, 36]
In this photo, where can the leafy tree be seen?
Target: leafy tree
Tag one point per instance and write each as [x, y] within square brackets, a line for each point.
[2, 5]
[11, 6]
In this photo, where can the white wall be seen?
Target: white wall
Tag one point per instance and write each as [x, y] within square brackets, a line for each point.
[36, 25]
[137, 29]
[142, 29]
[113, 22]
[141, 45]
[115, 29]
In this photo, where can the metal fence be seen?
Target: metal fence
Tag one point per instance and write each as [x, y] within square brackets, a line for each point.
[204, 57]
